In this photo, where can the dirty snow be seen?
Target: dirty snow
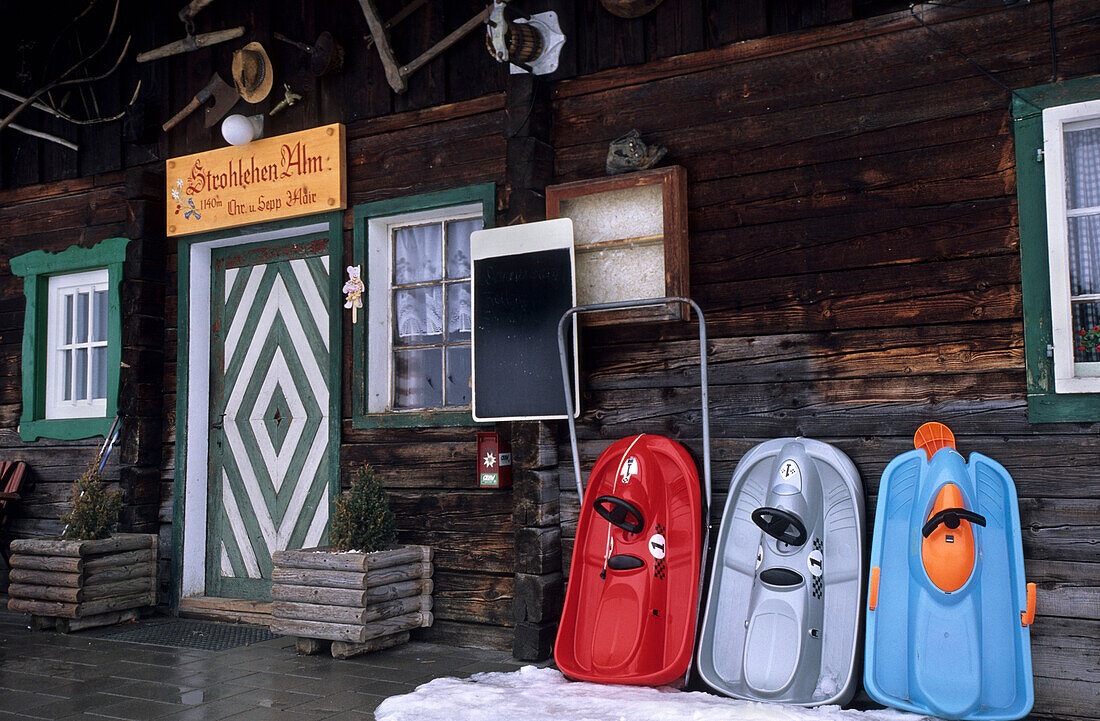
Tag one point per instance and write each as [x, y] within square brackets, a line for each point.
[543, 694]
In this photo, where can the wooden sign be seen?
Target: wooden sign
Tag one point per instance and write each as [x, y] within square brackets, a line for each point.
[268, 179]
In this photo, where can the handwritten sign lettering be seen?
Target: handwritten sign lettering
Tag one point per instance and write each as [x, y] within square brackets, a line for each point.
[282, 177]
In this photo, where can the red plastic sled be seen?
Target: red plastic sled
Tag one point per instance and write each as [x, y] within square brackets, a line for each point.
[633, 591]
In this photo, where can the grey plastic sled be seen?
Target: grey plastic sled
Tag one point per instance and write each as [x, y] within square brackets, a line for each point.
[782, 614]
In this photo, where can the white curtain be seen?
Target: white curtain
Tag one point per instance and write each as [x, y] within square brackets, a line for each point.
[1082, 149]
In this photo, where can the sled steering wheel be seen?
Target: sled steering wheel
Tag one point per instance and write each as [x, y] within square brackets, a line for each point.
[618, 513]
[781, 525]
[951, 517]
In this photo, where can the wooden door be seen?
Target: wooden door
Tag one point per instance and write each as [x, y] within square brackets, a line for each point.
[271, 455]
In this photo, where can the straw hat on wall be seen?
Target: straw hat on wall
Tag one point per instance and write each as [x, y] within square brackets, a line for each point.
[252, 72]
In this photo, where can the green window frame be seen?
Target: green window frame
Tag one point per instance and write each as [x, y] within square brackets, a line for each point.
[362, 216]
[1044, 404]
[36, 268]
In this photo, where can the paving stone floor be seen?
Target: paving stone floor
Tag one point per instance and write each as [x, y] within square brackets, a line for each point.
[47, 675]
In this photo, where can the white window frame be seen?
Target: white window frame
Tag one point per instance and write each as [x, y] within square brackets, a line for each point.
[1069, 377]
[379, 277]
[58, 286]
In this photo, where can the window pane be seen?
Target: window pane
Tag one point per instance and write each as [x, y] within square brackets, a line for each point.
[418, 254]
[81, 318]
[458, 375]
[459, 316]
[68, 337]
[418, 316]
[1082, 167]
[99, 372]
[99, 315]
[1084, 255]
[417, 378]
[80, 375]
[1086, 332]
[67, 377]
[458, 246]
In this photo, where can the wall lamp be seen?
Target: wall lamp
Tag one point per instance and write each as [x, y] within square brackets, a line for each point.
[241, 129]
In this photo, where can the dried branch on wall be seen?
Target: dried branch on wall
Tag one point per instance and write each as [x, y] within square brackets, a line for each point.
[65, 79]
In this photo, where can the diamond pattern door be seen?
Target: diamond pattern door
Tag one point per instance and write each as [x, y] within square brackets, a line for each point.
[270, 455]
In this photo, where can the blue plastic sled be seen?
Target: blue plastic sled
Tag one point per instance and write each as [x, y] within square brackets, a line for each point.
[948, 608]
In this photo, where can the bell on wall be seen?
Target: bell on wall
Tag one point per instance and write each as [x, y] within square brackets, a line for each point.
[528, 43]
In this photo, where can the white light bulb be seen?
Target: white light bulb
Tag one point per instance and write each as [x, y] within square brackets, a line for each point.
[241, 130]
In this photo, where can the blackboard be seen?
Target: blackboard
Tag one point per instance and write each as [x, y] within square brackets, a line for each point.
[523, 281]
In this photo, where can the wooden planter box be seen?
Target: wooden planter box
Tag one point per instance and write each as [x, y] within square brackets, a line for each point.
[81, 584]
[360, 601]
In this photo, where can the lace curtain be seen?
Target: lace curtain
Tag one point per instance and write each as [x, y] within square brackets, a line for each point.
[1082, 149]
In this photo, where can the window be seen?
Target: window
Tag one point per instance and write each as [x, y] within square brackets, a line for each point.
[429, 310]
[72, 347]
[1057, 131]
[76, 345]
[412, 359]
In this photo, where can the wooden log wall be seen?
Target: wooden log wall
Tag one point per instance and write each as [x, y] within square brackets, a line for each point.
[32, 52]
[854, 245]
[54, 217]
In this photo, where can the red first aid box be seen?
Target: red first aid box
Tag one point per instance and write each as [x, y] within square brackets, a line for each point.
[494, 461]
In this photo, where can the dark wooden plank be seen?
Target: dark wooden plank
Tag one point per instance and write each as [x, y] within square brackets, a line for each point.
[473, 635]
[473, 597]
[783, 44]
[805, 357]
[619, 41]
[804, 79]
[452, 510]
[99, 206]
[420, 31]
[470, 71]
[777, 138]
[483, 551]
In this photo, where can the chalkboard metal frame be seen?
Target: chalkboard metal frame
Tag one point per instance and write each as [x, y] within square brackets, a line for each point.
[509, 242]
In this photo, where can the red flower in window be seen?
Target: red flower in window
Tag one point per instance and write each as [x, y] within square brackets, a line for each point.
[1089, 339]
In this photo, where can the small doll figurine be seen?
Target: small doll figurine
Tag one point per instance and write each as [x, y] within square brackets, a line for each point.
[354, 289]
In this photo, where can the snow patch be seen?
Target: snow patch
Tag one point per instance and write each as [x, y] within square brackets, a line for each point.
[544, 694]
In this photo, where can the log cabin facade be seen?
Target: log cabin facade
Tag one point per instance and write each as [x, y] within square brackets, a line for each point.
[861, 220]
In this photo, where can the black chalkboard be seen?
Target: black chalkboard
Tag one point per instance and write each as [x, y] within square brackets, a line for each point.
[517, 302]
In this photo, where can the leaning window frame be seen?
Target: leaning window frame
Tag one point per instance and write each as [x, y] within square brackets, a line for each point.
[1048, 399]
[380, 215]
[36, 268]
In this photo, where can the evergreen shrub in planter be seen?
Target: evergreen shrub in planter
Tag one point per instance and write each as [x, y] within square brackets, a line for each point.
[364, 592]
[90, 576]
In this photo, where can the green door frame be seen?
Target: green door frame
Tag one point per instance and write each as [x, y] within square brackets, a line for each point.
[187, 414]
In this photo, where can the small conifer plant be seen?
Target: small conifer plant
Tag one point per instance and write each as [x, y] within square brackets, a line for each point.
[362, 519]
[95, 510]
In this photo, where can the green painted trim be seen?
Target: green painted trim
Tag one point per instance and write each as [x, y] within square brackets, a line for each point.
[336, 356]
[73, 258]
[335, 220]
[1043, 404]
[1062, 408]
[361, 216]
[415, 419]
[36, 268]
